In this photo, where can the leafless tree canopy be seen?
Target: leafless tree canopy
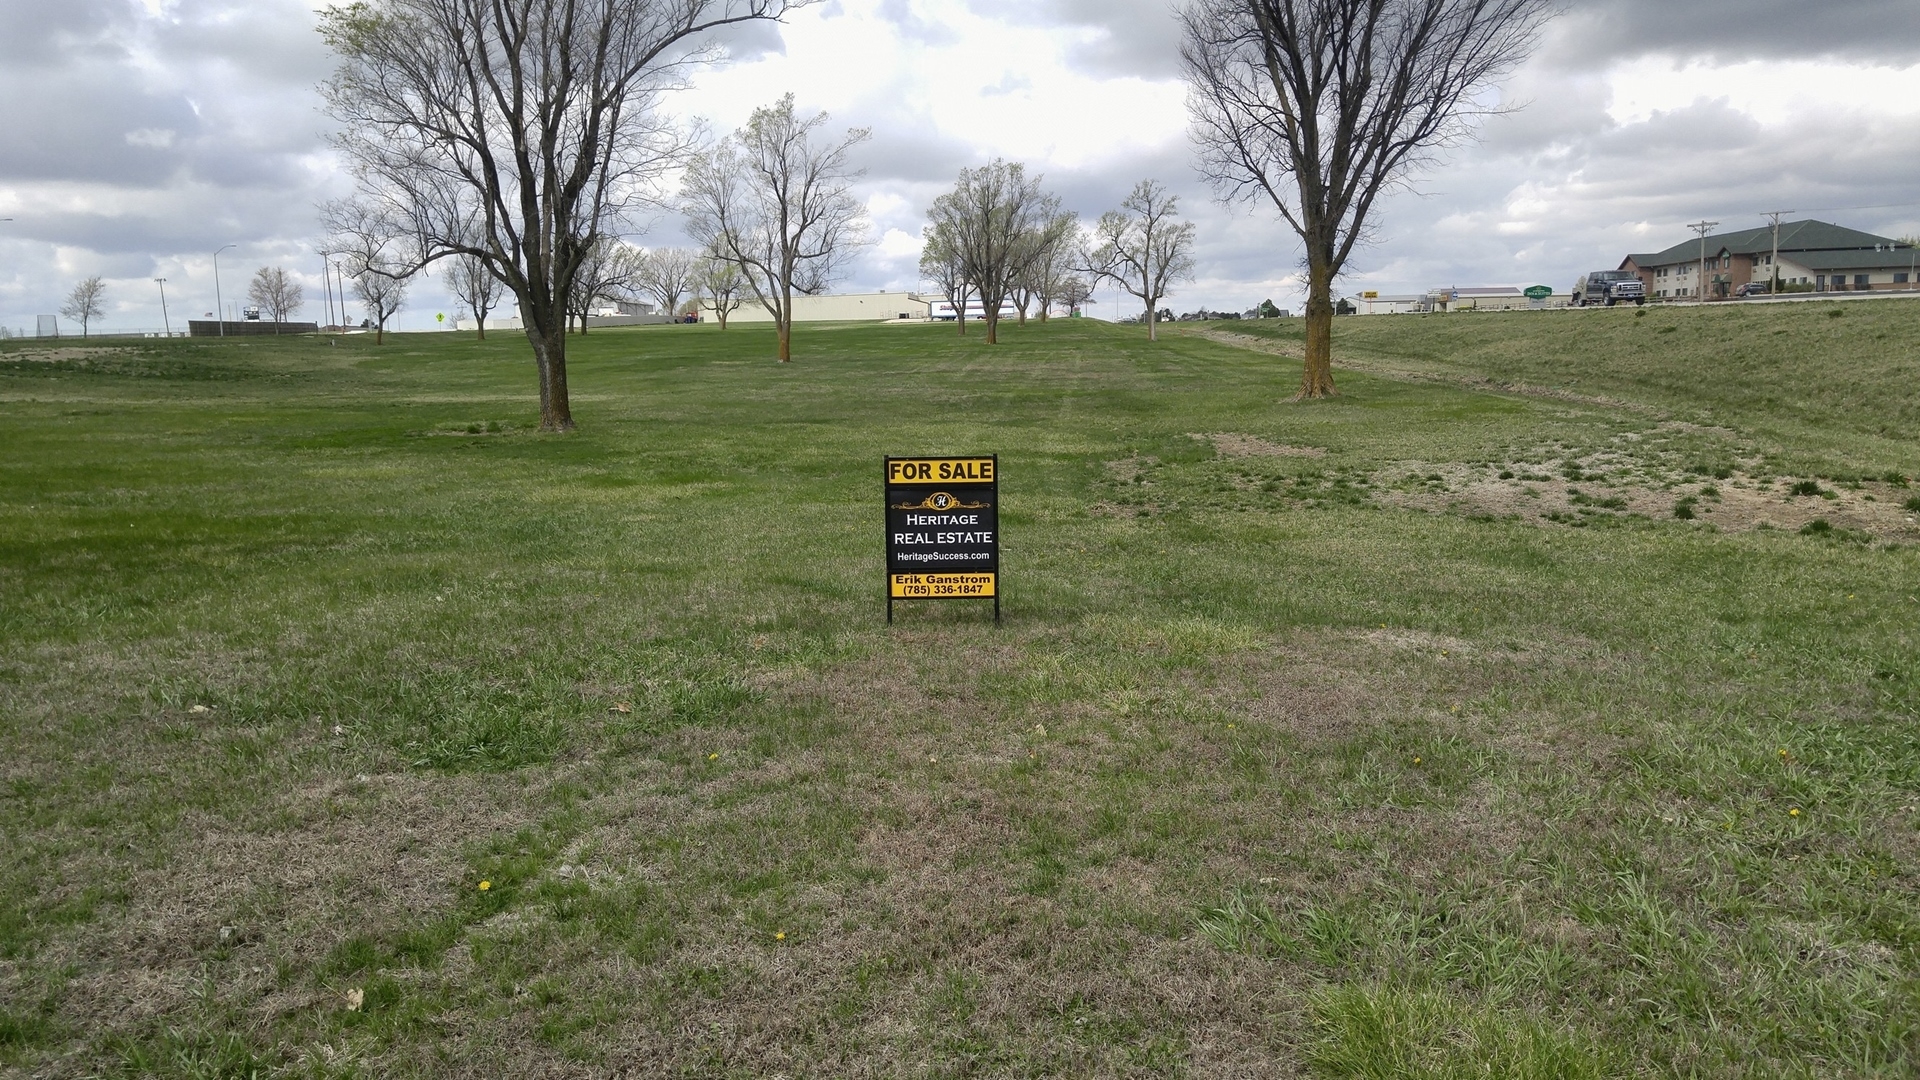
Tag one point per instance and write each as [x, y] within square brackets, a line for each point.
[776, 200]
[1318, 106]
[940, 263]
[381, 290]
[720, 282]
[476, 287]
[1049, 274]
[87, 302]
[668, 276]
[1142, 248]
[997, 222]
[518, 132]
[275, 292]
[1075, 291]
[608, 274]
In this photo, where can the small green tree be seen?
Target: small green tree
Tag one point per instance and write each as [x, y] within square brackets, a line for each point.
[1268, 311]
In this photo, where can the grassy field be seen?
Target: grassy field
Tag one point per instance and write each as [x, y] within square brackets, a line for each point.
[1545, 706]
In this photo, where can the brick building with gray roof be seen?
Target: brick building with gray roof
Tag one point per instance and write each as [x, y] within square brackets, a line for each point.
[1813, 256]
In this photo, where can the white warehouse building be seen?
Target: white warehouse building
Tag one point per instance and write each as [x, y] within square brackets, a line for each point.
[848, 307]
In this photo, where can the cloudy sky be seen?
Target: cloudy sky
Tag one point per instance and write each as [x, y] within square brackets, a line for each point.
[142, 135]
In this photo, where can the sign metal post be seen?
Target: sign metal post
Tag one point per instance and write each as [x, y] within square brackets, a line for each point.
[943, 529]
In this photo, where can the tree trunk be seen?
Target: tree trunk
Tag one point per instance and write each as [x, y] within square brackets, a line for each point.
[1316, 380]
[720, 313]
[550, 356]
[480, 320]
[786, 340]
[1153, 322]
[380, 332]
[993, 326]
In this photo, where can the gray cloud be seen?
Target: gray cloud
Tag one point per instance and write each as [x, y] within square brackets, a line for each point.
[1873, 31]
[1134, 37]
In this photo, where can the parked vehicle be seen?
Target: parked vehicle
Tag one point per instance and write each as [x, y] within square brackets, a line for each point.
[1752, 288]
[1609, 287]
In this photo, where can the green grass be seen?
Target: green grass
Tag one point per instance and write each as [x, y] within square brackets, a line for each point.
[1416, 733]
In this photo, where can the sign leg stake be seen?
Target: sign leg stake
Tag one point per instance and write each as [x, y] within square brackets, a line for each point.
[996, 606]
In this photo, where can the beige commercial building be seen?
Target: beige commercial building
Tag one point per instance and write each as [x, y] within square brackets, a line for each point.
[1814, 256]
[848, 307]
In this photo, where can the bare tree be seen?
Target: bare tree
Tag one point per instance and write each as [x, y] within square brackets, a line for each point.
[778, 205]
[999, 222]
[1053, 267]
[720, 281]
[274, 291]
[474, 285]
[519, 132]
[381, 290]
[608, 274]
[669, 275]
[1319, 106]
[1143, 249]
[87, 302]
[1075, 291]
[940, 263]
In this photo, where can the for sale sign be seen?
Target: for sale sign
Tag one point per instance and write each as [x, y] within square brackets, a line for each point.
[943, 529]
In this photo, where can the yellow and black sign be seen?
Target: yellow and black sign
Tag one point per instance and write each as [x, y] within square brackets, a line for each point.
[943, 529]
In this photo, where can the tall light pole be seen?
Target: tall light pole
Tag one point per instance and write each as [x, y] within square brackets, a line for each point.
[164, 317]
[326, 283]
[1700, 283]
[1776, 215]
[219, 304]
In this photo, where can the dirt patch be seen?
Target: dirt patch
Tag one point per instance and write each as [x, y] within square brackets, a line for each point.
[1230, 445]
[1593, 488]
[35, 355]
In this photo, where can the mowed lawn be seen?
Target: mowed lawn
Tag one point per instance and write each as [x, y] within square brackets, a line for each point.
[1544, 706]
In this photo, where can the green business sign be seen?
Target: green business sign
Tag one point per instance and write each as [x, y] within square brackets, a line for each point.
[1539, 292]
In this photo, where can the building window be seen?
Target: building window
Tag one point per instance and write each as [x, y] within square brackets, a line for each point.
[1900, 278]
[1862, 281]
[1820, 282]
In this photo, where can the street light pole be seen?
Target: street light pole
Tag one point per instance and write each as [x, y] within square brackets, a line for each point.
[164, 318]
[219, 304]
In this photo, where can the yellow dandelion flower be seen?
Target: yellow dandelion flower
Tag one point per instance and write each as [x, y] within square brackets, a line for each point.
[1795, 812]
[486, 885]
[780, 935]
[713, 757]
[1416, 761]
[1229, 727]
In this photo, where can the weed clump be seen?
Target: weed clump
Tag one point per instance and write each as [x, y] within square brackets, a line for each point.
[1913, 504]
[1817, 527]
[1684, 508]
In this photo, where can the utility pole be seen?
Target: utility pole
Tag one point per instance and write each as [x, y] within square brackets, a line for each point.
[1700, 283]
[1776, 215]
[162, 282]
[326, 282]
[219, 305]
